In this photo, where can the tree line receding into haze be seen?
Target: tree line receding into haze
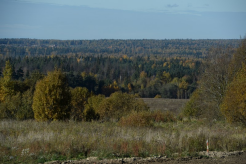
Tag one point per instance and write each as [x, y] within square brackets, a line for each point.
[72, 85]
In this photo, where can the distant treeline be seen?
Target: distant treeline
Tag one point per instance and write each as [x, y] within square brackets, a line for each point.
[149, 68]
[146, 76]
[110, 47]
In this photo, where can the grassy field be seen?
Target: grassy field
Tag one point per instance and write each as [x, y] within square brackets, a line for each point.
[173, 105]
[37, 142]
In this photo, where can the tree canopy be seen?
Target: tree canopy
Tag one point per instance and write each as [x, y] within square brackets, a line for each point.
[51, 100]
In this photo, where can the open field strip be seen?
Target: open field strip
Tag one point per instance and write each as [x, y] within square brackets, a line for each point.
[31, 141]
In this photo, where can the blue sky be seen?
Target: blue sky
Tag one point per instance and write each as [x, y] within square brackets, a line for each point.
[123, 19]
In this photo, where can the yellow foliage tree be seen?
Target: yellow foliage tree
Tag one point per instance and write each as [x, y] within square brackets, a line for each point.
[166, 77]
[7, 87]
[51, 100]
[78, 101]
[234, 103]
[143, 74]
[91, 108]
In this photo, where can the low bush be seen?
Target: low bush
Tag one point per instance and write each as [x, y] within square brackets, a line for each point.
[146, 118]
[137, 119]
[157, 96]
[118, 105]
[159, 116]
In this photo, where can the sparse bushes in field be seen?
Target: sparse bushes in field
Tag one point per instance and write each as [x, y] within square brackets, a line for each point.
[84, 105]
[91, 108]
[119, 105]
[137, 119]
[78, 101]
[18, 106]
[157, 96]
[146, 118]
[166, 116]
[192, 107]
[90, 114]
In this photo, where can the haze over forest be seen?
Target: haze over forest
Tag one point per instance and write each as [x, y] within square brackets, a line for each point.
[109, 19]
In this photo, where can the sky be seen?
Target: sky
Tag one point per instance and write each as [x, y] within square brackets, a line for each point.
[123, 19]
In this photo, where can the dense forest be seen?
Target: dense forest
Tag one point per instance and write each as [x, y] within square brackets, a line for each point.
[164, 48]
[148, 68]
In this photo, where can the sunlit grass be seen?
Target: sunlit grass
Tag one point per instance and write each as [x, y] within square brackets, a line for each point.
[37, 142]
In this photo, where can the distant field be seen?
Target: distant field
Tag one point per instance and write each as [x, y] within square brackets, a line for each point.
[174, 105]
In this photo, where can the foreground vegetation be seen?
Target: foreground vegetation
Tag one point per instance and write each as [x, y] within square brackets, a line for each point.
[36, 142]
[77, 122]
[221, 91]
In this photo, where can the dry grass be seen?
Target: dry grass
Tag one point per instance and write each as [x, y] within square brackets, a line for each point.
[37, 142]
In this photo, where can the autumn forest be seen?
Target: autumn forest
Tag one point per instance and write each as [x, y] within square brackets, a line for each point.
[87, 96]
[168, 68]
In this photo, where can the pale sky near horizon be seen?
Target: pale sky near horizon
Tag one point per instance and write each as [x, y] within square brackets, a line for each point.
[123, 19]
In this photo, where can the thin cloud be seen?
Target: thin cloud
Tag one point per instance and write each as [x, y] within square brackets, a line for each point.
[172, 6]
[19, 26]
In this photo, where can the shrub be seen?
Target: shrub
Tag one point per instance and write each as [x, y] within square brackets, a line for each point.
[91, 108]
[157, 96]
[191, 108]
[94, 102]
[18, 106]
[137, 119]
[146, 118]
[159, 116]
[78, 101]
[25, 110]
[11, 106]
[120, 104]
[90, 114]
[197, 143]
